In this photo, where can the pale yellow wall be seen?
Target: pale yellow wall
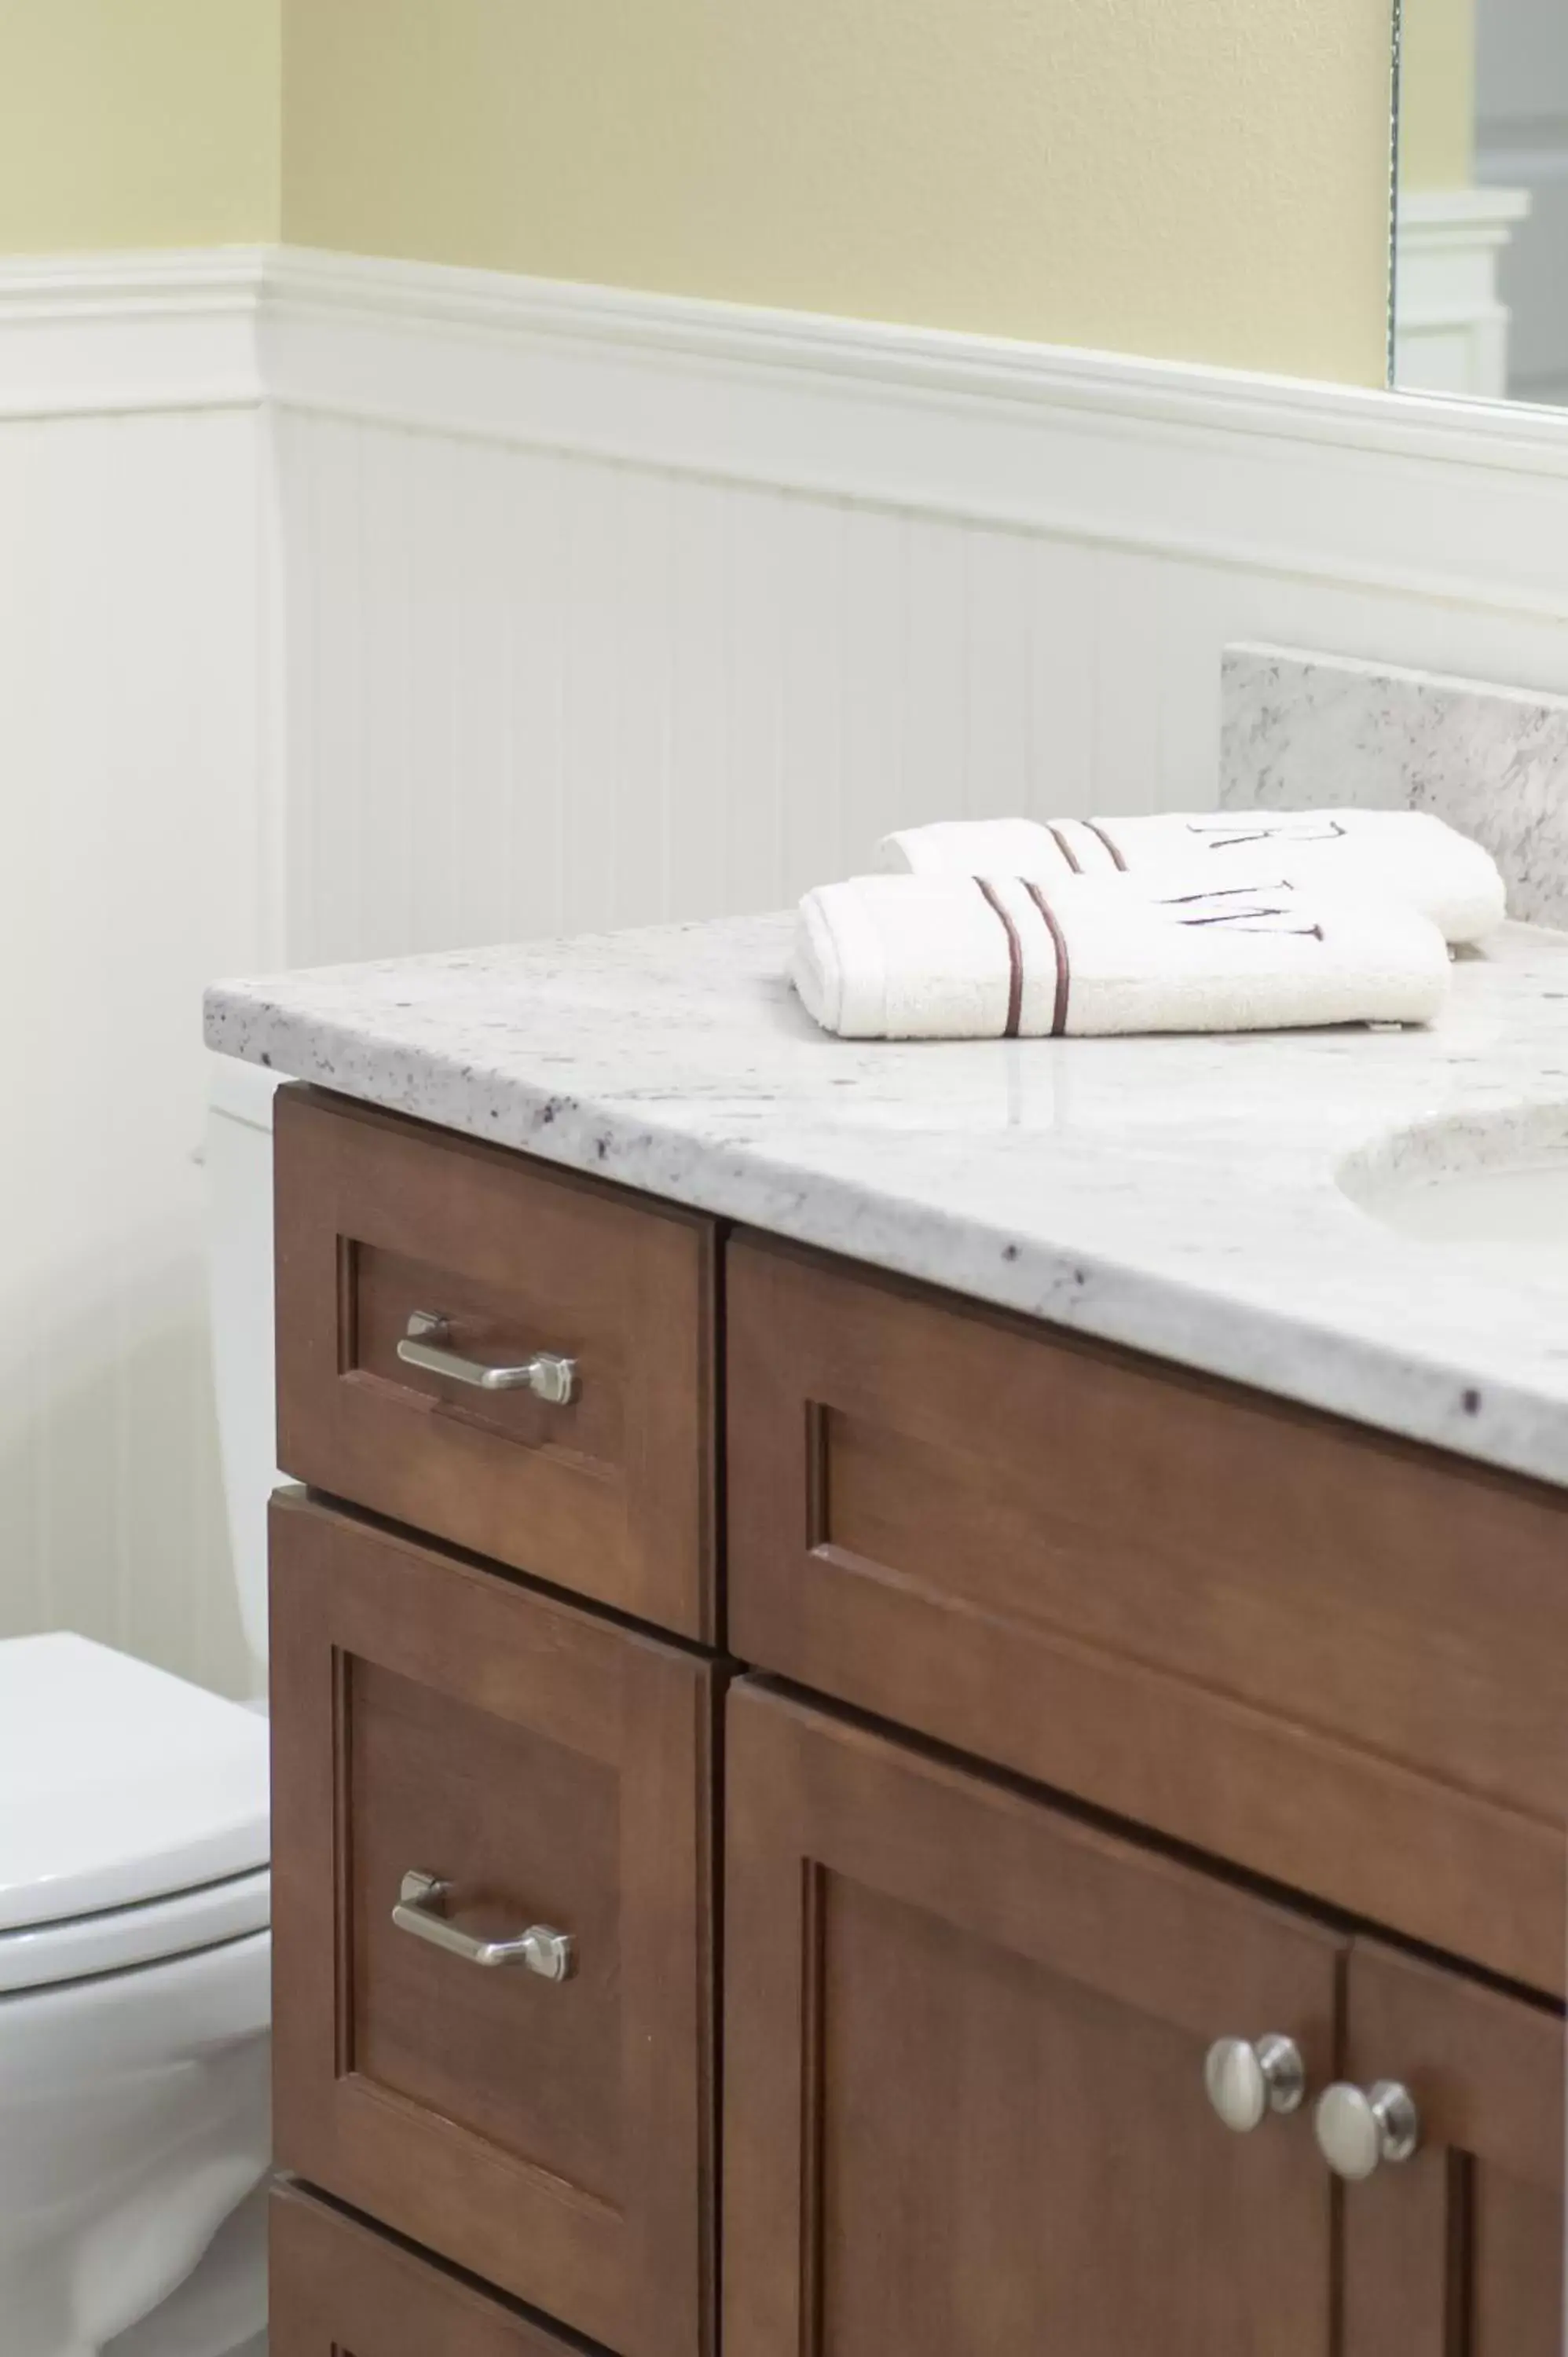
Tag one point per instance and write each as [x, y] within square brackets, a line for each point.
[137, 122]
[1193, 179]
[1197, 179]
[1437, 94]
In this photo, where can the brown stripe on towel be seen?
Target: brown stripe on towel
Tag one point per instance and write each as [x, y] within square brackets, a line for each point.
[1064, 846]
[1064, 968]
[1116, 858]
[1015, 961]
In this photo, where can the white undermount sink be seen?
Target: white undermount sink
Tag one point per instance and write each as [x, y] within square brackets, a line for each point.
[1493, 1186]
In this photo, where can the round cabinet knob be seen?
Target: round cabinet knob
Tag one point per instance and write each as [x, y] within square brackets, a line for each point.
[1248, 2078]
[1358, 2129]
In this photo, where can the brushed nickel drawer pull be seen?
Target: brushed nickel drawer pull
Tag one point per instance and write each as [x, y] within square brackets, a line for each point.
[421, 1909]
[549, 1378]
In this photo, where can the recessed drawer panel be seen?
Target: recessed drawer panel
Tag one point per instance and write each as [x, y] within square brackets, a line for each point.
[338, 2287]
[509, 1358]
[490, 1915]
[1258, 1630]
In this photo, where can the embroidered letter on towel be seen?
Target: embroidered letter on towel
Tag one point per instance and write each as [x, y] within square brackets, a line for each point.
[1409, 854]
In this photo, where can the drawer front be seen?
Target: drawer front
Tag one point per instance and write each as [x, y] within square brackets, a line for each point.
[1255, 1628]
[339, 2287]
[380, 1223]
[548, 1774]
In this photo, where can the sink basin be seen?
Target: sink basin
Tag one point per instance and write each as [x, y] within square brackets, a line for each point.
[1494, 1186]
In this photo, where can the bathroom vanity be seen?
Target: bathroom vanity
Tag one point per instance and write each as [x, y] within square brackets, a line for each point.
[890, 1660]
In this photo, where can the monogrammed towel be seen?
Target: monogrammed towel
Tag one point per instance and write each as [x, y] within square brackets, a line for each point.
[1407, 853]
[987, 957]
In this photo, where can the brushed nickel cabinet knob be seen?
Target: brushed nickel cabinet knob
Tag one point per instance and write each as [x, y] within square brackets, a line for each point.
[1248, 2078]
[1359, 2129]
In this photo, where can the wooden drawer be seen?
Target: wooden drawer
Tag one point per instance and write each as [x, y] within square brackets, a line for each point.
[338, 2287]
[550, 1768]
[1338, 1659]
[379, 1220]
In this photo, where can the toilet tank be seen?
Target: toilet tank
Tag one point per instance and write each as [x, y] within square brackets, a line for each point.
[239, 1159]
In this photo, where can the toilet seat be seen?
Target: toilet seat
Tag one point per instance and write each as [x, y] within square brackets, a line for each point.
[121, 1938]
[134, 1815]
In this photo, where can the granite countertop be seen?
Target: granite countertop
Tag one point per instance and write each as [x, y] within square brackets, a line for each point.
[1179, 1195]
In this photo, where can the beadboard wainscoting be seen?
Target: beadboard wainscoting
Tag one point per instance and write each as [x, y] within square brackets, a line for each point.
[358, 608]
[133, 747]
[603, 608]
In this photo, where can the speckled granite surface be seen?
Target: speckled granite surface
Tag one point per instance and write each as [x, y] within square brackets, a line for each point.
[1180, 1195]
[1300, 729]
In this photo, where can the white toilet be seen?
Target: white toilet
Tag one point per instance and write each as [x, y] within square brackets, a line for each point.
[135, 1998]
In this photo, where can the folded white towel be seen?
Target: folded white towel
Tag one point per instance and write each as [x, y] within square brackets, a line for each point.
[954, 957]
[1408, 853]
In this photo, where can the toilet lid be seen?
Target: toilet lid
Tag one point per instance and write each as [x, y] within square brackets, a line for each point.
[118, 1783]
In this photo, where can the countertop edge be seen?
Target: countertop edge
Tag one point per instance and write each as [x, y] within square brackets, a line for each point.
[1446, 1406]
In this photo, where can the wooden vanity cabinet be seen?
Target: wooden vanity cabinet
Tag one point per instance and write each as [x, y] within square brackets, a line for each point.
[1074, 1712]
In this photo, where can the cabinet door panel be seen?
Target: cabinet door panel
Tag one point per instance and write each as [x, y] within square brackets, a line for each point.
[1459, 2251]
[547, 1768]
[340, 2290]
[966, 2112]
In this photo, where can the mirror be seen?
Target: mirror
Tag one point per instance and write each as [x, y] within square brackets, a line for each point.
[1481, 237]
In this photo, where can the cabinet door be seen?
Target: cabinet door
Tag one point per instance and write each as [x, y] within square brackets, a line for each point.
[338, 2285]
[964, 2071]
[547, 1771]
[1458, 2250]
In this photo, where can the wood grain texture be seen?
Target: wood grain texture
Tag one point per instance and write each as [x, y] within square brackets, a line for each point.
[1457, 2253]
[551, 1767]
[964, 2103]
[1339, 1661]
[340, 2290]
[612, 1495]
